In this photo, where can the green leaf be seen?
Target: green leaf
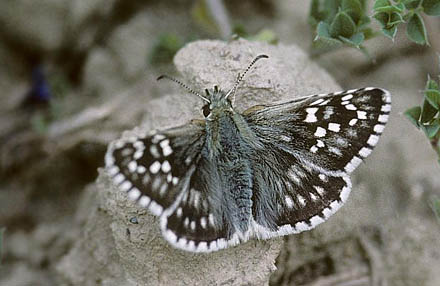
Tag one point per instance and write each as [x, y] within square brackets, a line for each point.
[369, 33]
[431, 84]
[395, 19]
[431, 130]
[431, 7]
[428, 112]
[388, 9]
[433, 97]
[411, 4]
[342, 25]
[390, 33]
[355, 41]
[323, 37]
[382, 18]
[381, 3]
[353, 8]
[315, 15]
[416, 31]
[331, 7]
[413, 115]
[363, 23]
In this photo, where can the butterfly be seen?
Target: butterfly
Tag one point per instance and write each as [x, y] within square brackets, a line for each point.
[272, 170]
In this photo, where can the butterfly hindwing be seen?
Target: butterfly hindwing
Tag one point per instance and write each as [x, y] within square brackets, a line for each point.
[196, 223]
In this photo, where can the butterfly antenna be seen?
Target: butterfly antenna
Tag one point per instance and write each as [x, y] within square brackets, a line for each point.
[184, 86]
[241, 76]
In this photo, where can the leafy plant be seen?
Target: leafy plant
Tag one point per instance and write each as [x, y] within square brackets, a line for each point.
[391, 14]
[427, 116]
[340, 22]
[346, 22]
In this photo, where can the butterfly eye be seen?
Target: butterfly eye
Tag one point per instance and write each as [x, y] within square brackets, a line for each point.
[206, 110]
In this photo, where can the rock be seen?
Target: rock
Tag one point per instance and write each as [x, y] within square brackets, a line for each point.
[121, 242]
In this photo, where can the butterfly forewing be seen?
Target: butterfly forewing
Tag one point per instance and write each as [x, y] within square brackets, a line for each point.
[335, 131]
[153, 169]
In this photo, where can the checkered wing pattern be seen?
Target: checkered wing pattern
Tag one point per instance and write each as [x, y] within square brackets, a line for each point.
[311, 145]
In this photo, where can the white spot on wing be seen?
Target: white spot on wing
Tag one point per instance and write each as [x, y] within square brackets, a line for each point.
[203, 222]
[311, 114]
[335, 127]
[372, 141]
[313, 149]
[378, 128]
[144, 201]
[119, 178]
[383, 118]
[289, 202]
[320, 132]
[113, 171]
[132, 166]
[314, 221]
[365, 151]
[361, 114]
[179, 212]
[154, 151]
[386, 108]
[134, 194]
[167, 151]
[347, 97]
[166, 167]
[157, 138]
[335, 150]
[350, 107]
[141, 169]
[164, 143]
[323, 177]
[125, 186]
[320, 190]
[301, 200]
[317, 101]
[155, 167]
[352, 122]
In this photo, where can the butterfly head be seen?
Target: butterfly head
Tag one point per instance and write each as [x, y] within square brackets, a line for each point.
[217, 103]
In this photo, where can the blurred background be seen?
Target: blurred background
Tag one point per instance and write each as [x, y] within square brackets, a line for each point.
[75, 74]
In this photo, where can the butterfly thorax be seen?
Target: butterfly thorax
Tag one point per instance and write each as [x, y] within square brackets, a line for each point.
[228, 152]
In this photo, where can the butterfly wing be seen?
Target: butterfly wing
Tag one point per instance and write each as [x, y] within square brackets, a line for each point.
[311, 145]
[152, 169]
[166, 173]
